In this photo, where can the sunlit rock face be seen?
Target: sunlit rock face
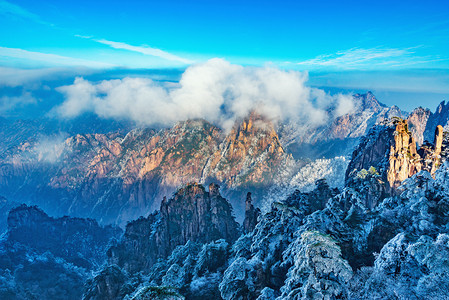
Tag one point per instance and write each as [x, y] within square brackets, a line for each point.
[391, 150]
[115, 178]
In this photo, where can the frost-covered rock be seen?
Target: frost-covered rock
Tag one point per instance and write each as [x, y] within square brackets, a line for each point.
[319, 271]
[411, 269]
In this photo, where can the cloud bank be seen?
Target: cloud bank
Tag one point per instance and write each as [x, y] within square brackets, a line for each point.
[216, 90]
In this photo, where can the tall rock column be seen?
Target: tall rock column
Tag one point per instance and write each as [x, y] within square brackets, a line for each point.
[251, 215]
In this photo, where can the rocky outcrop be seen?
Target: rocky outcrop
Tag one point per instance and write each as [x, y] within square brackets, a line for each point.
[405, 160]
[193, 214]
[391, 150]
[251, 215]
[417, 123]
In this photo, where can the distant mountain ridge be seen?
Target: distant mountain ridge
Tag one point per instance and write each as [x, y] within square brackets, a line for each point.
[119, 174]
[383, 235]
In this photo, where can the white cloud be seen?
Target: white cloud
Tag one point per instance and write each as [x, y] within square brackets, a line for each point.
[18, 77]
[216, 91]
[49, 148]
[8, 103]
[359, 58]
[50, 59]
[145, 50]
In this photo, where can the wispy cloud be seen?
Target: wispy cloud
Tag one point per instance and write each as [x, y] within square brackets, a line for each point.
[11, 9]
[372, 58]
[50, 59]
[8, 103]
[146, 51]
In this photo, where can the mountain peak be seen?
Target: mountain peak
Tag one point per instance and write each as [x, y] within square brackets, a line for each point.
[368, 101]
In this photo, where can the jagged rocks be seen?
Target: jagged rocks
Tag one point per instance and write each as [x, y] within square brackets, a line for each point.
[110, 284]
[81, 242]
[132, 173]
[46, 258]
[417, 121]
[251, 215]
[391, 150]
[405, 160]
[439, 117]
[191, 214]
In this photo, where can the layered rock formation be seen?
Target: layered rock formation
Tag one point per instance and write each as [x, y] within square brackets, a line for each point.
[192, 214]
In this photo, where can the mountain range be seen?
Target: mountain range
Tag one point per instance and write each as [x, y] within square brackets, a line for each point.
[363, 215]
[114, 172]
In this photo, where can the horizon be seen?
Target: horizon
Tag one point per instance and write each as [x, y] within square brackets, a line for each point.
[398, 52]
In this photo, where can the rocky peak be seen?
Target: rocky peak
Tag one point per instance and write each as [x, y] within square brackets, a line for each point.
[192, 214]
[250, 153]
[405, 160]
[251, 215]
[439, 117]
[417, 122]
[391, 150]
[197, 215]
[368, 102]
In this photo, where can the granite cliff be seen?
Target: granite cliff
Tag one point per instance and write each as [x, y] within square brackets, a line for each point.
[391, 150]
[115, 178]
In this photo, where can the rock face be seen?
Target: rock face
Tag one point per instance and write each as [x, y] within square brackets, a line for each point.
[342, 135]
[405, 160]
[132, 173]
[192, 214]
[251, 215]
[392, 151]
[417, 122]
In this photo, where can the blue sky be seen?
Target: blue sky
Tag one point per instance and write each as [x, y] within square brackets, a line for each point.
[382, 40]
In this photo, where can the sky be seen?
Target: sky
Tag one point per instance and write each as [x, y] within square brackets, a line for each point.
[397, 49]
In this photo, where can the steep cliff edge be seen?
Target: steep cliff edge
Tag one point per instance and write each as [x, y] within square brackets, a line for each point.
[417, 123]
[192, 214]
[392, 151]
